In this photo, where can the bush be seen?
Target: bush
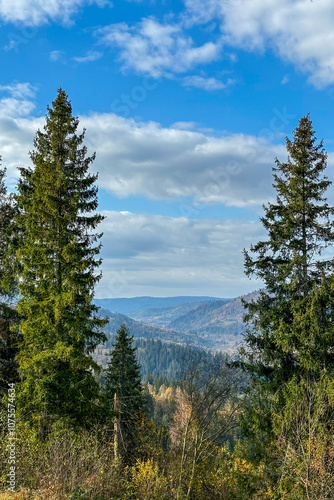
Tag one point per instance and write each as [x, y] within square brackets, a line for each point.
[67, 465]
[148, 483]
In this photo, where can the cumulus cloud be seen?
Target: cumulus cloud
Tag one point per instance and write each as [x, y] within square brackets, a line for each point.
[19, 102]
[19, 90]
[149, 254]
[37, 12]
[162, 163]
[299, 31]
[16, 137]
[165, 163]
[152, 254]
[157, 49]
[13, 107]
[170, 163]
[202, 12]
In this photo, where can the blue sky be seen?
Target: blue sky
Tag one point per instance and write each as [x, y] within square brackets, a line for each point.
[186, 104]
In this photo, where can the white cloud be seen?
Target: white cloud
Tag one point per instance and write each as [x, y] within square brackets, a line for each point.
[37, 12]
[285, 80]
[299, 31]
[19, 90]
[168, 163]
[206, 83]
[153, 254]
[163, 163]
[149, 254]
[202, 12]
[92, 55]
[16, 139]
[55, 55]
[14, 108]
[157, 49]
[184, 125]
[20, 101]
[148, 160]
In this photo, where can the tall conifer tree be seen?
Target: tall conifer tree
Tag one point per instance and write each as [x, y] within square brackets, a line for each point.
[58, 261]
[292, 335]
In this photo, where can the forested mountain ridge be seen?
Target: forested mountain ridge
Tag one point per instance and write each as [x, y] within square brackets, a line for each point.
[216, 325]
[142, 330]
[134, 304]
[156, 358]
[215, 317]
[166, 315]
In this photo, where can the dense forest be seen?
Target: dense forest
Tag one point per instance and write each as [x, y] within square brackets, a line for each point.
[156, 358]
[161, 421]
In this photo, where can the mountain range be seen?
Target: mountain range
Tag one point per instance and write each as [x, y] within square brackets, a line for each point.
[135, 304]
[205, 322]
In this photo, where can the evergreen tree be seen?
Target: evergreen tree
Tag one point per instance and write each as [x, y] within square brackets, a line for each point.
[299, 229]
[9, 333]
[123, 379]
[58, 262]
[289, 343]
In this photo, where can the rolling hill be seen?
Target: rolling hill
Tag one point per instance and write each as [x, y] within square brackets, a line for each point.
[215, 324]
[166, 315]
[142, 330]
[131, 305]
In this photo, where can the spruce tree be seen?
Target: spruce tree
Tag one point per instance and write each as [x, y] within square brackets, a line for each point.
[290, 334]
[123, 379]
[9, 333]
[300, 228]
[57, 199]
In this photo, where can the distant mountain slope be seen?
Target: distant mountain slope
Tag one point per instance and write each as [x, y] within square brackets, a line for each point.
[199, 317]
[216, 325]
[142, 330]
[217, 322]
[163, 316]
[131, 305]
